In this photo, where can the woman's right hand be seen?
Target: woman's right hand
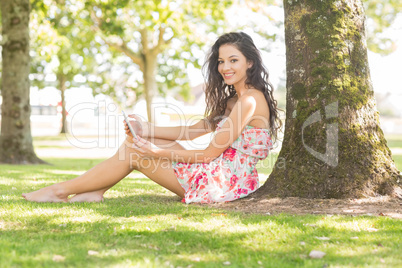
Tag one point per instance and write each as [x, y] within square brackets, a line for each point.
[140, 127]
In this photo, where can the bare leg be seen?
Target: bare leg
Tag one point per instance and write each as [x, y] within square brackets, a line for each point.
[97, 196]
[108, 173]
[94, 196]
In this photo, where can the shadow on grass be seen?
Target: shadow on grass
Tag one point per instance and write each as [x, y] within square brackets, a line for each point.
[142, 225]
[158, 231]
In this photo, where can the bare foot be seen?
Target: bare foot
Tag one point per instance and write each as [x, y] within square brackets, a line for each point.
[95, 196]
[49, 194]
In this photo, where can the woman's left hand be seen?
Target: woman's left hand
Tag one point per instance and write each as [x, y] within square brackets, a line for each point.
[143, 148]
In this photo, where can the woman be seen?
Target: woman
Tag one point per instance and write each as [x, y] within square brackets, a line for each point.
[240, 109]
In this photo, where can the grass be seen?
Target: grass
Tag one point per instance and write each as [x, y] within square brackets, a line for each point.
[394, 141]
[60, 137]
[143, 225]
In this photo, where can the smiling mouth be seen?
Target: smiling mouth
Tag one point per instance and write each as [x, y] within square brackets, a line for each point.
[228, 75]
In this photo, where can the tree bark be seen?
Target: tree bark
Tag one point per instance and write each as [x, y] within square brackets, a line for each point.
[16, 139]
[149, 73]
[333, 145]
[62, 84]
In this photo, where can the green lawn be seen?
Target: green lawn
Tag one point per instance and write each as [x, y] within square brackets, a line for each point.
[267, 165]
[142, 225]
[394, 141]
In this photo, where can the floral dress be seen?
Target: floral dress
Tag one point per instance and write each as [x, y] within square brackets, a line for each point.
[230, 176]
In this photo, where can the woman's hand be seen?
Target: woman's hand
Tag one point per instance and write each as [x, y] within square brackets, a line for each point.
[140, 127]
[144, 148]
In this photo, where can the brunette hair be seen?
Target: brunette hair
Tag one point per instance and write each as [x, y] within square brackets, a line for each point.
[217, 92]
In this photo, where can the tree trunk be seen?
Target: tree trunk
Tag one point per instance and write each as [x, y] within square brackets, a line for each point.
[62, 84]
[16, 139]
[149, 73]
[333, 145]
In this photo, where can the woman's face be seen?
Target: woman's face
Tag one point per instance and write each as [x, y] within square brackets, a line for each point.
[232, 65]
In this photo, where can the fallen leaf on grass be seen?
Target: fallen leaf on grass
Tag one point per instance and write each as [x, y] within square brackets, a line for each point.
[171, 228]
[58, 258]
[371, 229]
[218, 214]
[311, 225]
[153, 247]
[322, 238]
[92, 252]
[316, 254]
[112, 251]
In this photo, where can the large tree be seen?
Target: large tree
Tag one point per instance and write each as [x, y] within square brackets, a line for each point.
[15, 138]
[333, 145]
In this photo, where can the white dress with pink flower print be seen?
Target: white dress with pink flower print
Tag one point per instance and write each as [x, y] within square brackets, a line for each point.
[230, 176]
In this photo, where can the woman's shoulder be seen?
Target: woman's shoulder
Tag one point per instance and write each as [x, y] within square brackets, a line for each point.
[257, 98]
[251, 96]
[231, 102]
[254, 93]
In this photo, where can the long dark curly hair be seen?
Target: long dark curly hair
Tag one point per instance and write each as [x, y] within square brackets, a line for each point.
[217, 92]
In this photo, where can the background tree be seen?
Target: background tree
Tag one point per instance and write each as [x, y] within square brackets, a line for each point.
[333, 145]
[63, 49]
[16, 139]
[381, 15]
[142, 30]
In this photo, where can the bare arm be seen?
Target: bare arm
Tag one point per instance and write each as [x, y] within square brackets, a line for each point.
[149, 130]
[239, 117]
[180, 132]
[188, 132]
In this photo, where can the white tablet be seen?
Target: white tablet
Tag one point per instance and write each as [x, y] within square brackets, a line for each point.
[129, 125]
